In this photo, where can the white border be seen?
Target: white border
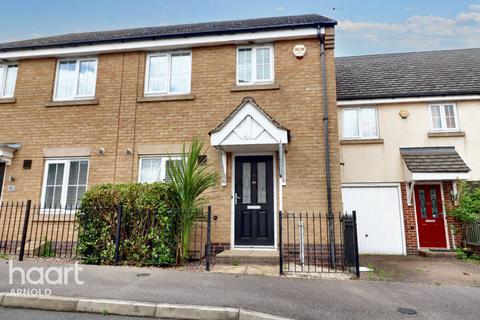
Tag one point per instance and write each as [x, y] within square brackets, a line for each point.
[400, 203]
[232, 216]
[163, 44]
[163, 162]
[405, 100]
[443, 208]
[358, 108]
[443, 117]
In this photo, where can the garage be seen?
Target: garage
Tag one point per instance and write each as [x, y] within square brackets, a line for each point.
[379, 217]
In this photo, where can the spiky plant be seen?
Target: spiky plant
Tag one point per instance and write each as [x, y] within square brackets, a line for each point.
[190, 179]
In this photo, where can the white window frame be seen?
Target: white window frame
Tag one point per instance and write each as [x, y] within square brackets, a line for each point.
[359, 137]
[163, 162]
[77, 72]
[3, 79]
[66, 174]
[254, 64]
[443, 118]
[169, 73]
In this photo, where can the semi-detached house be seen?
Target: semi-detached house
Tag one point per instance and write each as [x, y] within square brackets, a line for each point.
[114, 107]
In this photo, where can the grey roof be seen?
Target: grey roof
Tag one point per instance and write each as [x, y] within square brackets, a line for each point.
[172, 31]
[433, 159]
[415, 74]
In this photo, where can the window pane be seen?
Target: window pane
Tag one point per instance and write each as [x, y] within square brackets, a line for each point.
[368, 123]
[263, 64]
[244, 65]
[436, 117]
[180, 78]
[157, 74]
[262, 182]
[350, 123]
[246, 183]
[10, 79]
[168, 164]
[86, 78]
[77, 182]
[66, 80]
[433, 199]
[450, 116]
[150, 170]
[2, 70]
[53, 189]
[423, 203]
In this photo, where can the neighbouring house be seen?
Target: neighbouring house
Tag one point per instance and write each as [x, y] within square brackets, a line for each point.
[111, 107]
[409, 130]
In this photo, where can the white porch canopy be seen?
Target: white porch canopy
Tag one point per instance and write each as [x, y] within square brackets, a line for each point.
[7, 150]
[249, 129]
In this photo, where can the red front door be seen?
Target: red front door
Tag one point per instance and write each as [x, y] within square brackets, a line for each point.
[430, 220]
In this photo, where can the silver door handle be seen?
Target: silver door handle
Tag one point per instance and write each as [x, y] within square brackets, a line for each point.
[235, 198]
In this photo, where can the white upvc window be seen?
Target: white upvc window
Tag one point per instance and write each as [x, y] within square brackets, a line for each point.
[8, 78]
[360, 123]
[443, 117]
[168, 73]
[155, 168]
[255, 64]
[75, 79]
[64, 183]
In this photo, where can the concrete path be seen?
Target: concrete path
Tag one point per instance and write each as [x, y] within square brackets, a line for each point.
[294, 298]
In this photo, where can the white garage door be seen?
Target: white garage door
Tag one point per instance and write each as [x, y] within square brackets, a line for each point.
[379, 218]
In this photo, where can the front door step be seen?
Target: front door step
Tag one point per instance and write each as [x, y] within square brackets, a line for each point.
[247, 257]
[431, 253]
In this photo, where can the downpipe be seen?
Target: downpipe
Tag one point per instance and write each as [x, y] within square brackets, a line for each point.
[331, 227]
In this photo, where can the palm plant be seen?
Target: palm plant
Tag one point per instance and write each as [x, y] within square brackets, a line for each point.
[189, 179]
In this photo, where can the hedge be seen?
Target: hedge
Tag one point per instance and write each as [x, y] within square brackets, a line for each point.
[147, 230]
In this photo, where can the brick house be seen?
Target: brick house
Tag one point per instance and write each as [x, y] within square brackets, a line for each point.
[409, 131]
[110, 107]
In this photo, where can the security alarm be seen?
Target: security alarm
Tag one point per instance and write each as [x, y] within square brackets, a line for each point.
[299, 51]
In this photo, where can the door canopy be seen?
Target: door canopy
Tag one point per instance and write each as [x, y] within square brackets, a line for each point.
[6, 152]
[249, 128]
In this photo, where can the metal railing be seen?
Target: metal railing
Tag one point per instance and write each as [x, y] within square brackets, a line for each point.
[29, 230]
[305, 243]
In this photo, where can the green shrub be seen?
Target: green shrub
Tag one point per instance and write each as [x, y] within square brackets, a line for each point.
[147, 230]
[468, 209]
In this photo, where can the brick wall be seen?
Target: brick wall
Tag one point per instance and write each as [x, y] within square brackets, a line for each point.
[119, 121]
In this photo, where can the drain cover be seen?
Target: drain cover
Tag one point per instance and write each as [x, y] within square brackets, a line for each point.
[408, 311]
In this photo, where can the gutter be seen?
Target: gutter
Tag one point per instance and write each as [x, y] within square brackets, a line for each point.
[331, 229]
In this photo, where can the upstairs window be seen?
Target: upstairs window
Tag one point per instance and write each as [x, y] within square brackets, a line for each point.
[154, 169]
[443, 117]
[168, 73]
[254, 65]
[76, 79]
[64, 183]
[360, 123]
[8, 77]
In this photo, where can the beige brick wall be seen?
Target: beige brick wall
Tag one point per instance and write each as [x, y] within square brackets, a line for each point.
[119, 122]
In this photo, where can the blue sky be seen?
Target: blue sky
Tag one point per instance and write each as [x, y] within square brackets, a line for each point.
[365, 27]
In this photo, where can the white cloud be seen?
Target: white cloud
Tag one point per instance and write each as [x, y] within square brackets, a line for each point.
[281, 9]
[414, 33]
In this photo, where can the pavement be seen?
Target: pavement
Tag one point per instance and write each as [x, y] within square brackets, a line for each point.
[287, 297]
[22, 314]
[417, 269]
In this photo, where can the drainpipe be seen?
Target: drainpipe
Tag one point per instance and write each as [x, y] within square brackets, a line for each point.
[331, 227]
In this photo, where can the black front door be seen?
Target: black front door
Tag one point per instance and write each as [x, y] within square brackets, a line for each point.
[2, 174]
[254, 201]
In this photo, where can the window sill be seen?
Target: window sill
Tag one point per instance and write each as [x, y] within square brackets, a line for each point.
[7, 100]
[361, 141]
[254, 87]
[446, 134]
[171, 97]
[71, 103]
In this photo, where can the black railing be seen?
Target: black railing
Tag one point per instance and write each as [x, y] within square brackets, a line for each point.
[312, 242]
[29, 231]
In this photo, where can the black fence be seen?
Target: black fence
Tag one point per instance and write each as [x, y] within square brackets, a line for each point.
[312, 242]
[29, 230]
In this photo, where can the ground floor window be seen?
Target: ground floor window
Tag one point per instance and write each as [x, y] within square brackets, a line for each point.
[64, 183]
[155, 168]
